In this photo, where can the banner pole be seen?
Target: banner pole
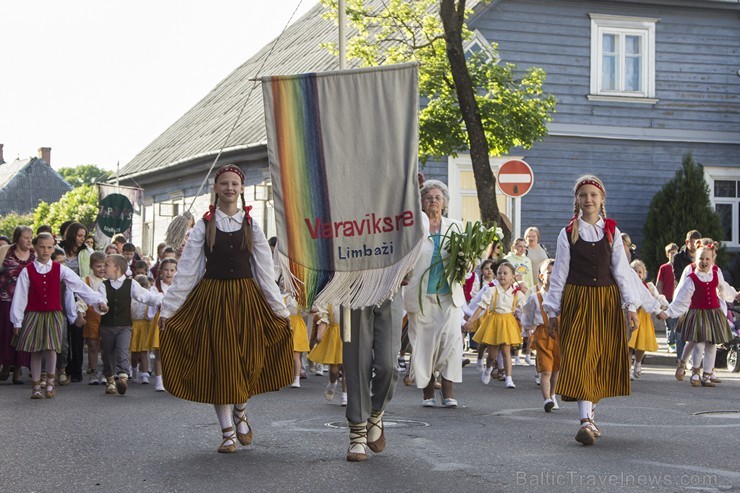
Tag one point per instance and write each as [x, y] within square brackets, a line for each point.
[342, 35]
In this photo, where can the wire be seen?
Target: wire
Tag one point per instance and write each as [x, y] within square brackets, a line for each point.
[241, 110]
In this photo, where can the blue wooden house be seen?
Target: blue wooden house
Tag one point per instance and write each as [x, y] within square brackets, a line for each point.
[638, 85]
[26, 182]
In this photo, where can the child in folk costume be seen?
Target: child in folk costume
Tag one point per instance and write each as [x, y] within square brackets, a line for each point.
[487, 279]
[140, 335]
[225, 328]
[703, 321]
[643, 338]
[116, 324]
[91, 330]
[300, 337]
[498, 327]
[590, 282]
[167, 270]
[36, 311]
[548, 349]
[328, 349]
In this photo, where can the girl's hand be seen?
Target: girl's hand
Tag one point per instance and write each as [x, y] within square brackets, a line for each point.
[80, 320]
[632, 321]
[662, 315]
[17, 331]
[320, 333]
[161, 323]
[103, 307]
[468, 327]
[552, 327]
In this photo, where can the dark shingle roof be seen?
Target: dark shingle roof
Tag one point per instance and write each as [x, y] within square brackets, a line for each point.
[26, 182]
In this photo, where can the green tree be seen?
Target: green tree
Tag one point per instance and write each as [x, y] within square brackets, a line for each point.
[681, 205]
[471, 101]
[84, 174]
[80, 204]
[10, 221]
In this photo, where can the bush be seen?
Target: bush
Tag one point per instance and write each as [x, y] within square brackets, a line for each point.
[10, 221]
[681, 205]
[79, 204]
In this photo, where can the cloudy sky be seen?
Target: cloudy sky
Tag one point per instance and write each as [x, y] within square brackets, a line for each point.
[98, 80]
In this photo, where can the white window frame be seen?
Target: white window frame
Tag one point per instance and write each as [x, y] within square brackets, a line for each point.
[623, 25]
[722, 173]
[485, 46]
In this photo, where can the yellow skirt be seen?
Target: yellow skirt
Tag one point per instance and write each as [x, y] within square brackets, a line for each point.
[498, 328]
[300, 334]
[643, 339]
[548, 350]
[153, 340]
[329, 350]
[140, 336]
[594, 357]
[225, 344]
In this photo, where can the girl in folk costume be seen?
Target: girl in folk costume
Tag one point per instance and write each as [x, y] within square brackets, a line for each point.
[300, 337]
[590, 273]
[548, 349]
[486, 281]
[498, 328]
[167, 270]
[91, 330]
[703, 321]
[328, 350]
[36, 311]
[140, 329]
[643, 338]
[225, 329]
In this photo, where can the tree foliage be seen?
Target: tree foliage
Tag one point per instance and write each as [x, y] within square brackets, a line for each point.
[10, 221]
[80, 204]
[511, 104]
[84, 174]
[681, 205]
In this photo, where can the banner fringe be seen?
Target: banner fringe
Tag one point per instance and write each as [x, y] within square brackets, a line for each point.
[354, 289]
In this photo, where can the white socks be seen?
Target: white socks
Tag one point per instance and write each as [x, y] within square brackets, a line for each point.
[710, 355]
[240, 410]
[223, 411]
[585, 409]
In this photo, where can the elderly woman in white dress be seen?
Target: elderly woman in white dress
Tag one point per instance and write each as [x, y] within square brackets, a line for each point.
[434, 306]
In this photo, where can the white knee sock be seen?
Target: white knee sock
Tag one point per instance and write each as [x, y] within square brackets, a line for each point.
[223, 411]
[241, 410]
[585, 409]
[710, 355]
[698, 354]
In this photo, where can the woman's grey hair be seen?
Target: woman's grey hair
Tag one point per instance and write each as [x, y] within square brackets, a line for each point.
[430, 184]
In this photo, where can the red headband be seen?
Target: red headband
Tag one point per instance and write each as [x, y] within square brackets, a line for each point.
[230, 168]
[589, 182]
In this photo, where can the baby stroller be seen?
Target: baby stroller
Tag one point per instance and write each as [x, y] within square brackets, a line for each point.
[729, 351]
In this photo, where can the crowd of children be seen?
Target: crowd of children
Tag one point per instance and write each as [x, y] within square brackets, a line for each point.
[584, 318]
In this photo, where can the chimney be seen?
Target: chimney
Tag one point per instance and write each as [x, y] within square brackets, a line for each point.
[1, 154]
[45, 154]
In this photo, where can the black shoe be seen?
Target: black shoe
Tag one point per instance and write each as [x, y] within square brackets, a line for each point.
[76, 378]
[465, 362]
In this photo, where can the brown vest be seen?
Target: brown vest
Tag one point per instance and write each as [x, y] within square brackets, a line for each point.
[590, 263]
[227, 260]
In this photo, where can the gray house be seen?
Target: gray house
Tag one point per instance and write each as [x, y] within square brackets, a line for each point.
[638, 84]
[26, 182]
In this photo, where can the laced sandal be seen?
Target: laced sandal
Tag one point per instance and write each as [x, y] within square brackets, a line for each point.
[228, 445]
[244, 438]
[357, 451]
[50, 390]
[695, 382]
[374, 424]
[586, 434]
[36, 391]
[714, 379]
[706, 380]
[680, 370]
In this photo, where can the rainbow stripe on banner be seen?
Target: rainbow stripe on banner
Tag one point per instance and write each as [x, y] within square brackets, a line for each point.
[301, 154]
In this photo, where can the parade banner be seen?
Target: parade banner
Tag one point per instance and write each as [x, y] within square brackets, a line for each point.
[343, 154]
[116, 208]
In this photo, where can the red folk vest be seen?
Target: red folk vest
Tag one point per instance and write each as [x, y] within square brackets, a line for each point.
[44, 290]
[705, 293]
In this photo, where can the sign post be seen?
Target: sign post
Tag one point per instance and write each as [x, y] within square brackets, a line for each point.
[515, 179]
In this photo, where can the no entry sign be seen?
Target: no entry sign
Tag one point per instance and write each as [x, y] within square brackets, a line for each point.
[515, 178]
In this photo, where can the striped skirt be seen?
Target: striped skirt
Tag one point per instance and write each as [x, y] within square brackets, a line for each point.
[704, 326]
[225, 344]
[594, 358]
[643, 338]
[300, 334]
[41, 331]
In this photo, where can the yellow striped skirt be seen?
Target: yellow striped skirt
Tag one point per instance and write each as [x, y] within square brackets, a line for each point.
[225, 344]
[643, 338]
[594, 358]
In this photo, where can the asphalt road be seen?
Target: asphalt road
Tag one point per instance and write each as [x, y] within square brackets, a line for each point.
[499, 439]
